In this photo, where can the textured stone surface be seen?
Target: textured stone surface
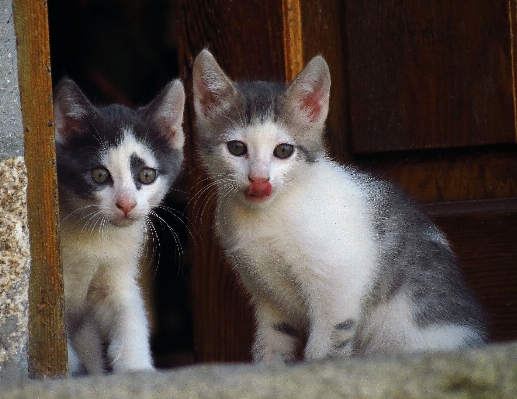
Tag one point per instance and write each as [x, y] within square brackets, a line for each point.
[11, 132]
[489, 372]
[14, 270]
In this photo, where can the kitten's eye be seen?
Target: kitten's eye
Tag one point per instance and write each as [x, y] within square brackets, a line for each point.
[100, 175]
[147, 176]
[237, 148]
[283, 151]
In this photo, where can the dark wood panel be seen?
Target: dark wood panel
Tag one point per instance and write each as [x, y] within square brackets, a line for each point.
[429, 74]
[324, 33]
[485, 243]
[222, 317]
[245, 37]
[449, 175]
[223, 323]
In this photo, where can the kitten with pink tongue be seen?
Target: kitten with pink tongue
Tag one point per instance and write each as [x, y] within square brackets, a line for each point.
[325, 251]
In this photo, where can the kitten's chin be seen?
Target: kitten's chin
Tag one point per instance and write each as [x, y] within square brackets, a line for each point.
[122, 222]
[259, 201]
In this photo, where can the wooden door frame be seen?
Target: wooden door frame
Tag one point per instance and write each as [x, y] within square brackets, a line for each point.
[47, 335]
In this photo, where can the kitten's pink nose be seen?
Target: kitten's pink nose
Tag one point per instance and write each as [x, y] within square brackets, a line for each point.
[126, 205]
[259, 187]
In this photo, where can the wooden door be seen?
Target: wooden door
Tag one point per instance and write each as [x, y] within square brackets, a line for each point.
[423, 94]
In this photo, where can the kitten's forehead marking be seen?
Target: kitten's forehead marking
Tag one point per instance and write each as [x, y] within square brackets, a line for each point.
[117, 159]
[267, 132]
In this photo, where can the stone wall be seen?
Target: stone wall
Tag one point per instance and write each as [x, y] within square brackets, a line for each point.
[14, 235]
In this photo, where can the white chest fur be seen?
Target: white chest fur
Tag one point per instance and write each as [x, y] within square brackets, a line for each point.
[316, 235]
[84, 254]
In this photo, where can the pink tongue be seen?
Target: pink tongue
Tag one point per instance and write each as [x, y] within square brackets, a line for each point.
[259, 188]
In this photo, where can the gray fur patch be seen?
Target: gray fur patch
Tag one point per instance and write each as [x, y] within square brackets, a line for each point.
[342, 345]
[416, 264]
[345, 325]
[286, 328]
[261, 100]
[309, 156]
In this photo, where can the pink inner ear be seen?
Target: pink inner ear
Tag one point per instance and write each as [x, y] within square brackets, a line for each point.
[312, 104]
[173, 138]
[207, 99]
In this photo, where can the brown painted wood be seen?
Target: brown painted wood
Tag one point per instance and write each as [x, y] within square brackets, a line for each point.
[449, 175]
[483, 238]
[323, 30]
[47, 337]
[430, 74]
[439, 75]
[246, 39]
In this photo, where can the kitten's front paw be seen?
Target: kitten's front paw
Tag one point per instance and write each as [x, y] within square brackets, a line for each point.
[275, 345]
[132, 366]
[272, 357]
[129, 358]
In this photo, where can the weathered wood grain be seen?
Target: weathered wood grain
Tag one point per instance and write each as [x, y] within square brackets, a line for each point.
[449, 175]
[430, 74]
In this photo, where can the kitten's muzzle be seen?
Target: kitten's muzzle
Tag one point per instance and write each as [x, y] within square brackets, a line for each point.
[126, 205]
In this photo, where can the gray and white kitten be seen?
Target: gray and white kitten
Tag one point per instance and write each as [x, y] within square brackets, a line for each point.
[324, 250]
[114, 166]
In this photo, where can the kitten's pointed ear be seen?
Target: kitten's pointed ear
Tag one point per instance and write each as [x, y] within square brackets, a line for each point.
[166, 111]
[71, 108]
[213, 90]
[308, 94]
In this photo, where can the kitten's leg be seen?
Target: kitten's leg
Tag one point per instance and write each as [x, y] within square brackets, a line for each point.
[121, 314]
[276, 338]
[129, 344]
[74, 363]
[86, 342]
[333, 325]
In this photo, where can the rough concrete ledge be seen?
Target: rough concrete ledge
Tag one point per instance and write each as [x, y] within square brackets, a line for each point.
[489, 372]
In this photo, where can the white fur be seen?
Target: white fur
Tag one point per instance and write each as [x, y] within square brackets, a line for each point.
[281, 247]
[100, 283]
[308, 255]
[391, 327]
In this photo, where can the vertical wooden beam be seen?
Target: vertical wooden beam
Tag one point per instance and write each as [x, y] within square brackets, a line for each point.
[293, 39]
[47, 336]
